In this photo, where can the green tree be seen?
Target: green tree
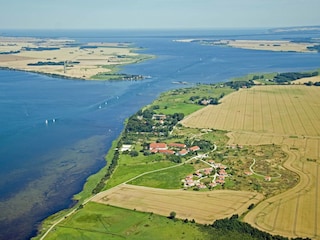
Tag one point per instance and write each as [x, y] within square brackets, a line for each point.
[134, 153]
[172, 215]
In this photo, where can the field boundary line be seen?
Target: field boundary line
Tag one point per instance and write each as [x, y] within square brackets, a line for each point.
[271, 117]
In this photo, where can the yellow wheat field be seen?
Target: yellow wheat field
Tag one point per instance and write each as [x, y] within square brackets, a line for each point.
[288, 116]
[203, 207]
[277, 110]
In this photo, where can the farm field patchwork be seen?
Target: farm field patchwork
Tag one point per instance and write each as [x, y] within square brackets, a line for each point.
[288, 116]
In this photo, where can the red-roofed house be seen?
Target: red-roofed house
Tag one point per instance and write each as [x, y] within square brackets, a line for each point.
[183, 152]
[267, 178]
[178, 145]
[220, 181]
[194, 148]
[170, 152]
[208, 171]
[222, 172]
[158, 146]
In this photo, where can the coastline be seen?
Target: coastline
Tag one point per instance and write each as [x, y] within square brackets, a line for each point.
[76, 78]
[84, 196]
[69, 59]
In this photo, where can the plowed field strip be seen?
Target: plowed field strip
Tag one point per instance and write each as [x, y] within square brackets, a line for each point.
[245, 112]
[279, 126]
[270, 124]
[305, 115]
[231, 113]
[298, 126]
[285, 113]
[238, 119]
[314, 107]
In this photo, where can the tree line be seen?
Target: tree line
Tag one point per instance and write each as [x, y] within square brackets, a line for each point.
[291, 76]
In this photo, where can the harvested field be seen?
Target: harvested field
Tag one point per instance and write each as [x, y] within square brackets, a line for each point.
[284, 115]
[305, 80]
[294, 213]
[203, 207]
[278, 110]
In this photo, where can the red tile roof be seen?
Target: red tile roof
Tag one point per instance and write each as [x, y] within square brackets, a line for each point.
[179, 145]
[167, 152]
[183, 152]
[157, 146]
[194, 148]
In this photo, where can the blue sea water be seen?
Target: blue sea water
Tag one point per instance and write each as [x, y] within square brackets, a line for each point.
[55, 132]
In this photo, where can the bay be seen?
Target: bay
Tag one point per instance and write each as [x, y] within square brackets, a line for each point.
[55, 132]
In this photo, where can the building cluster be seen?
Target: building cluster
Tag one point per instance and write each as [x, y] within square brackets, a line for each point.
[217, 172]
[179, 149]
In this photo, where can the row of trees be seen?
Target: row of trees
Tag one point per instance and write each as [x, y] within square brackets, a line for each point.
[50, 63]
[99, 187]
[312, 84]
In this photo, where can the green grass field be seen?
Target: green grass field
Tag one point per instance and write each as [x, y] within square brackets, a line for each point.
[126, 172]
[97, 221]
[167, 179]
[178, 101]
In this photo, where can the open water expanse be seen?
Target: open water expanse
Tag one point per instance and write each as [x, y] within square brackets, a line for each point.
[43, 164]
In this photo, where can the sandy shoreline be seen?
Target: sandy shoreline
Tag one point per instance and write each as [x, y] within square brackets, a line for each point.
[65, 58]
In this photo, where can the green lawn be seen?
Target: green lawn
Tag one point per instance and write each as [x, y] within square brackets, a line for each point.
[126, 172]
[167, 179]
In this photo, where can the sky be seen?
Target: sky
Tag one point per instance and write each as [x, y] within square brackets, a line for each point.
[157, 14]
